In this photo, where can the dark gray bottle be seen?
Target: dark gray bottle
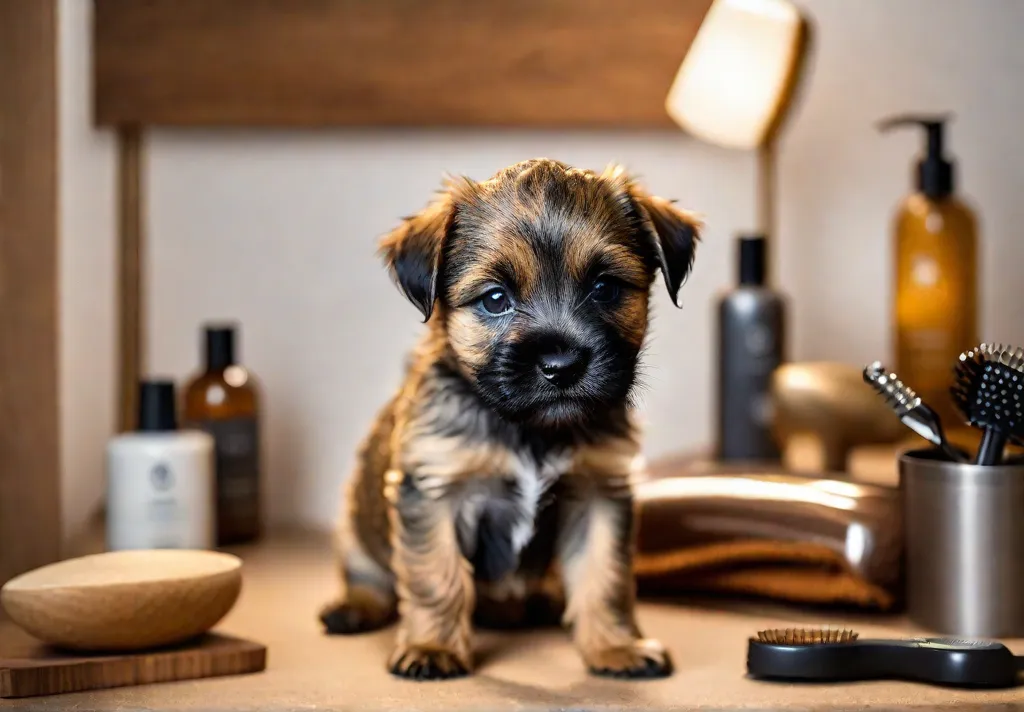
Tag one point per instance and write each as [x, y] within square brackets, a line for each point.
[751, 344]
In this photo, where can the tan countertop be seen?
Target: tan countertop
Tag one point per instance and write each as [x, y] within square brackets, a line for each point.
[287, 579]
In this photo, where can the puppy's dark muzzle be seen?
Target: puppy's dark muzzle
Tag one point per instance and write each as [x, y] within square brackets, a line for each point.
[562, 368]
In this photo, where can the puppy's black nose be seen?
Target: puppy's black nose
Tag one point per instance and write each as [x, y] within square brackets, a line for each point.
[562, 368]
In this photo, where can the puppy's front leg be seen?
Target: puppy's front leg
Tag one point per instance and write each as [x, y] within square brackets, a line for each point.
[434, 584]
[596, 550]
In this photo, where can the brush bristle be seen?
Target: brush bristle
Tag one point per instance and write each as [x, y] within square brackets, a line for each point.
[898, 396]
[988, 388]
[806, 636]
[1012, 356]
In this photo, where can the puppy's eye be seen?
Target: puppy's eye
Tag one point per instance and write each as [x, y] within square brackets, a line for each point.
[496, 302]
[604, 291]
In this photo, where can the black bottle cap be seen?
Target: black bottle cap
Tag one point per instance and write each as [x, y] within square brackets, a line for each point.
[935, 174]
[753, 257]
[157, 406]
[220, 346]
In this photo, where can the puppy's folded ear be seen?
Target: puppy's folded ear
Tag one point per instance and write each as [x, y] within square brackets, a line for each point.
[412, 251]
[673, 232]
[676, 233]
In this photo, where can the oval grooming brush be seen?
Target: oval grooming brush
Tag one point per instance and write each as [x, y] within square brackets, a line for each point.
[910, 409]
[807, 655]
[989, 392]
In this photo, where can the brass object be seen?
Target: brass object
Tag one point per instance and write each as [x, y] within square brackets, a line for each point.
[774, 534]
[826, 406]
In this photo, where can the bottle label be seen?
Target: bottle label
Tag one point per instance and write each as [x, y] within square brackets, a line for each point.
[237, 467]
[159, 497]
[164, 514]
[933, 323]
[924, 271]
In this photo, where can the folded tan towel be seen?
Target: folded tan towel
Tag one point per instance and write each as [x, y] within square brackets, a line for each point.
[786, 571]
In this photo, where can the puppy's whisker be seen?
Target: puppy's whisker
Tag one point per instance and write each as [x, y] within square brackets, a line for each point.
[579, 305]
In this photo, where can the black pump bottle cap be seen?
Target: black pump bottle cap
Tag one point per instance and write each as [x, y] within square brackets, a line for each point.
[753, 258]
[157, 409]
[220, 346]
[935, 174]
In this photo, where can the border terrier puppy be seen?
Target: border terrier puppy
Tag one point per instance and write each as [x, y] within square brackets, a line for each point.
[495, 487]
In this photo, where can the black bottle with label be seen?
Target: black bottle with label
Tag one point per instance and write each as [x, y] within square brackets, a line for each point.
[751, 345]
[224, 401]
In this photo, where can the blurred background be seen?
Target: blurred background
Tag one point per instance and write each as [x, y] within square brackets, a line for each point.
[277, 229]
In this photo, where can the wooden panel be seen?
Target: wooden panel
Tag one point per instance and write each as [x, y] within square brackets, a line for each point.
[30, 530]
[30, 669]
[536, 63]
[131, 332]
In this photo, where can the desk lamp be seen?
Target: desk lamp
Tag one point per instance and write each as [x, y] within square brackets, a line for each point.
[737, 81]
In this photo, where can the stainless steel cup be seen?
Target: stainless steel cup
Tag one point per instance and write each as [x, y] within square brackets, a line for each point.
[964, 539]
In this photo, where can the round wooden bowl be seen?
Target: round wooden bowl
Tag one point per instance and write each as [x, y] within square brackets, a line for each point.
[125, 600]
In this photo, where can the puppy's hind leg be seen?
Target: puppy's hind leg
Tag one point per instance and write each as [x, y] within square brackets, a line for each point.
[367, 601]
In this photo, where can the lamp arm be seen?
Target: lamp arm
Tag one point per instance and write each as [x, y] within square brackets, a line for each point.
[765, 186]
[766, 152]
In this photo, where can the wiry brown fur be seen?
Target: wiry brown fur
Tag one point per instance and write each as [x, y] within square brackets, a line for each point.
[479, 495]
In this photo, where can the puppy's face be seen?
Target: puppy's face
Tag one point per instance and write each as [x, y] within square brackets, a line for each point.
[539, 278]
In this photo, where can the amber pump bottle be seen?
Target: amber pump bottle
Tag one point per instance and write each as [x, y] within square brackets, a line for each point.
[935, 293]
[223, 399]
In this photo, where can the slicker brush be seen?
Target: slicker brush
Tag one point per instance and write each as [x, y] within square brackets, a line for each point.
[989, 392]
[841, 655]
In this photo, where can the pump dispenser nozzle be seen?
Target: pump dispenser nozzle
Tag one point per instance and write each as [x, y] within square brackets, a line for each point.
[935, 174]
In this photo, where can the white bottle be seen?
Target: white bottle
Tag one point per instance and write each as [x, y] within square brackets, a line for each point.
[160, 480]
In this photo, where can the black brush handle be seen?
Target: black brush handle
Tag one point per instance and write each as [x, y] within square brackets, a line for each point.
[927, 423]
[937, 661]
[990, 452]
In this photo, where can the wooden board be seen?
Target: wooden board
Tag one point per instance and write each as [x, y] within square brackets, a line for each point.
[307, 63]
[30, 525]
[130, 234]
[30, 669]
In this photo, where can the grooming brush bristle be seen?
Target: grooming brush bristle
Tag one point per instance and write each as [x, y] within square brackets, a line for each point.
[989, 388]
[1005, 354]
[806, 636]
[898, 396]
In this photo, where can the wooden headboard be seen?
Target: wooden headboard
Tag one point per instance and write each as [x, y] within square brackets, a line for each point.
[579, 64]
[312, 63]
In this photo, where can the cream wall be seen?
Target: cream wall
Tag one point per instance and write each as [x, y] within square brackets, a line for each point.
[281, 234]
[87, 276]
[277, 229]
[841, 178]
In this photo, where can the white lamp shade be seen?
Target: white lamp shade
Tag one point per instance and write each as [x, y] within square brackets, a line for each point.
[733, 79]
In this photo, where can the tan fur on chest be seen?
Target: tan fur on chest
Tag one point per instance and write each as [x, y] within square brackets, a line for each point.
[441, 459]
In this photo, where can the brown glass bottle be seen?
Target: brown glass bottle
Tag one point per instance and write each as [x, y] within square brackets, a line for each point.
[224, 401]
[935, 297]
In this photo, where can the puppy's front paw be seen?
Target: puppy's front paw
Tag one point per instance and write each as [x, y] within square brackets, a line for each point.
[417, 662]
[360, 614]
[643, 659]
